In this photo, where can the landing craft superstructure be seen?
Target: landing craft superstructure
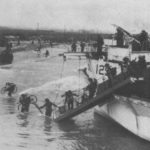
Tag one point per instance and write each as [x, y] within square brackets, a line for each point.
[129, 102]
[130, 105]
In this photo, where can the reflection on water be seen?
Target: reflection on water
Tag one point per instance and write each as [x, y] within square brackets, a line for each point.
[10, 103]
[33, 131]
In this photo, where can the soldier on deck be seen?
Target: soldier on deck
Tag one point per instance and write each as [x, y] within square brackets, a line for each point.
[143, 38]
[92, 87]
[100, 42]
[74, 47]
[120, 38]
[109, 74]
[69, 99]
[82, 45]
[84, 97]
[141, 65]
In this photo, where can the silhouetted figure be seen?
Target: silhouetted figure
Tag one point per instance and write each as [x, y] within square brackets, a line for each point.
[92, 87]
[125, 64]
[74, 47]
[109, 74]
[69, 99]
[143, 38]
[82, 45]
[10, 87]
[84, 97]
[8, 47]
[25, 102]
[100, 42]
[120, 38]
[48, 106]
[46, 53]
[114, 71]
[141, 65]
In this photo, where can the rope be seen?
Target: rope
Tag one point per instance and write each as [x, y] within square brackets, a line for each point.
[61, 75]
[79, 74]
[91, 68]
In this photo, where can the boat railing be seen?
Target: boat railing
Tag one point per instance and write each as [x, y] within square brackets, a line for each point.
[110, 83]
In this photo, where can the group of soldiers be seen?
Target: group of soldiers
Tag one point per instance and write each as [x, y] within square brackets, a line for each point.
[88, 93]
[25, 99]
[98, 46]
[135, 67]
[74, 47]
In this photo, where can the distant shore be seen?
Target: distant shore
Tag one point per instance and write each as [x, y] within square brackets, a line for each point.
[28, 46]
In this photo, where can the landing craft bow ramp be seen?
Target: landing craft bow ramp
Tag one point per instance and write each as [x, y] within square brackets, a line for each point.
[104, 90]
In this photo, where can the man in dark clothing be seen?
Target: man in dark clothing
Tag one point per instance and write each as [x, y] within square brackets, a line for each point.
[46, 53]
[82, 45]
[69, 99]
[109, 74]
[120, 38]
[100, 43]
[92, 87]
[141, 65]
[25, 102]
[74, 47]
[10, 87]
[143, 38]
[84, 97]
[48, 106]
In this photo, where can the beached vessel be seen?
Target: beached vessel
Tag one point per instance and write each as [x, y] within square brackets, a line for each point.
[6, 56]
[130, 105]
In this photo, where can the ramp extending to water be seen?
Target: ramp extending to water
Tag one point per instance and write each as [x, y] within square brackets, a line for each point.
[104, 90]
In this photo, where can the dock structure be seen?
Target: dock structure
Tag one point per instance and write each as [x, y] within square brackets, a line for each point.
[104, 90]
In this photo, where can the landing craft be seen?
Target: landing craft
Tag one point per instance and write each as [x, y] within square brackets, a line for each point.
[6, 55]
[129, 106]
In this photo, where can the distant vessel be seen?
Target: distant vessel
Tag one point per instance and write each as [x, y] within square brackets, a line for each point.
[6, 56]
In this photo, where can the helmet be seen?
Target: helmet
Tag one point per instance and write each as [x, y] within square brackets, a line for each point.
[46, 100]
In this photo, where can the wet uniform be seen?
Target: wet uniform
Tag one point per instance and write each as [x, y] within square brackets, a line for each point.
[10, 88]
[69, 99]
[48, 106]
[25, 102]
[92, 88]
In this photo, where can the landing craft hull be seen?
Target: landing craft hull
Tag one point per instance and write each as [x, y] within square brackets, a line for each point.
[117, 54]
[131, 113]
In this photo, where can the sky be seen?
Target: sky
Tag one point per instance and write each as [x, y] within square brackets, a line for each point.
[97, 15]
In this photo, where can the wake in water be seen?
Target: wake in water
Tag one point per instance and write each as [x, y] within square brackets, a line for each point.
[56, 88]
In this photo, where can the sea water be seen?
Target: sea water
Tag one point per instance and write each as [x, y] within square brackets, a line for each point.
[50, 78]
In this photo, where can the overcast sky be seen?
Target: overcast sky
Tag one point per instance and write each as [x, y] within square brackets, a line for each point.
[133, 15]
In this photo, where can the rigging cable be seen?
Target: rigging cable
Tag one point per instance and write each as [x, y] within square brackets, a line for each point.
[90, 67]
[61, 75]
[79, 76]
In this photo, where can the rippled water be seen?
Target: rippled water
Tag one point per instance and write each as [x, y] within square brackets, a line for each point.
[33, 131]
